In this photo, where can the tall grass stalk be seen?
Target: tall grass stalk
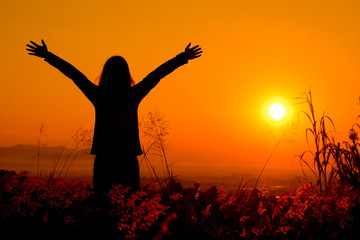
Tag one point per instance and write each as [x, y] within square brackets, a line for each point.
[287, 136]
[39, 139]
[82, 140]
[57, 160]
[267, 161]
[322, 165]
[155, 128]
[153, 175]
[332, 162]
[347, 159]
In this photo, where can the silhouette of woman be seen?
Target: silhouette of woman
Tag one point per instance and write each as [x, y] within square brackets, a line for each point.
[116, 99]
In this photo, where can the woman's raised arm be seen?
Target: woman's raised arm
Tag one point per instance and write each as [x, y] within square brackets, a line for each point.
[151, 80]
[86, 86]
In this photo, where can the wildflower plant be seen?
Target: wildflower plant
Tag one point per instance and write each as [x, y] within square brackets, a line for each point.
[135, 212]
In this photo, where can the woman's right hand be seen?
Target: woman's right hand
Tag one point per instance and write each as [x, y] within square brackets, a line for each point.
[37, 50]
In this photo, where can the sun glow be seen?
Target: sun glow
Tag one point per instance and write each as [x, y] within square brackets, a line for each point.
[276, 111]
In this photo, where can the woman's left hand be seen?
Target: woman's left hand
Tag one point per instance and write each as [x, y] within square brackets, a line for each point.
[191, 53]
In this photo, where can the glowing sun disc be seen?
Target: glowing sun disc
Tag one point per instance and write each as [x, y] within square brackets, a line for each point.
[277, 111]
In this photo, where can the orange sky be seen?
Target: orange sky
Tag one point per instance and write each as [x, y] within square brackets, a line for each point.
[253, 51]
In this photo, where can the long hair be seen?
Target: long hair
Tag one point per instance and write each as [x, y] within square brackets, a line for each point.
[116, 74]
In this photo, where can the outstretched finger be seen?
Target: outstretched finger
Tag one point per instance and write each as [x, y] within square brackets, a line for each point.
[31, 53]
[30, 50]
[188, 46]
[194, 47]
[34, 44]
[43, 43]
[30, 46]
[198, 54]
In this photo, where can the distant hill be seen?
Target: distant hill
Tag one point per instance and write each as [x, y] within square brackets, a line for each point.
[30, 152]
[25, 158]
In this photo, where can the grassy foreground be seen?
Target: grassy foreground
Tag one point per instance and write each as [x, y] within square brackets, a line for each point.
[35, 207]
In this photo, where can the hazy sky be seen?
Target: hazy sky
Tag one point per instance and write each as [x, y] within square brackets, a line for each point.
[253, 51]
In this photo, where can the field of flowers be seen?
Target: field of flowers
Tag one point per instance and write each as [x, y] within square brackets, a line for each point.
[36, 207]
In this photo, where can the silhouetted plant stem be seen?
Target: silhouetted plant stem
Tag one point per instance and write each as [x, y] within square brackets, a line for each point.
[52, 174]
[155, 128]
[273, 151]
[38, 147]
[285, 137]
[323, 156]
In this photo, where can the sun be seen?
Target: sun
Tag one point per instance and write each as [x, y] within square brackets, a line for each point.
[277, 111]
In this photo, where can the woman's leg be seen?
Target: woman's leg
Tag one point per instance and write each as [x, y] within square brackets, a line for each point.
[127, 173]
[110, 171]
[99, 180]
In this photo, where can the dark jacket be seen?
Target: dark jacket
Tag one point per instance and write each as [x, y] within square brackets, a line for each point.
[116, 117]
